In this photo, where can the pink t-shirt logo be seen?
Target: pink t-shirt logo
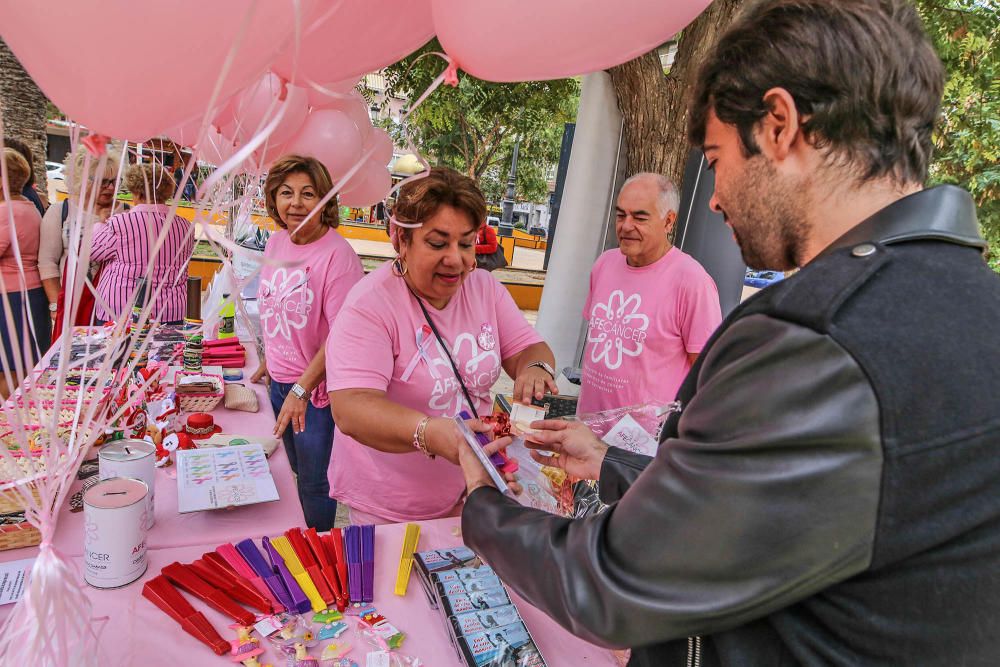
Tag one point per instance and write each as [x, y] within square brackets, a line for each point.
[617, 329]
[286, 300]
[479, 368]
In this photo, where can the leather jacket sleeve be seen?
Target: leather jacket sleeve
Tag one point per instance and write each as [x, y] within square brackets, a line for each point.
[769, 494]
[619, 470]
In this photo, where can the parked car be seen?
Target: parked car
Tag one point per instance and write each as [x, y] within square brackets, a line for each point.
[762, 279]
[54, 170]
[537, 230]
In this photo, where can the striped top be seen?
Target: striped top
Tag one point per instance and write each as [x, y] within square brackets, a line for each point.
[123, 246]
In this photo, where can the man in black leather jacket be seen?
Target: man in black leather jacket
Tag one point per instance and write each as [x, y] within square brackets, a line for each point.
[830, 491]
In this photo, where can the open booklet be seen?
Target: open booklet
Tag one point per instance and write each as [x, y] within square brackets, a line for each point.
[210, 479]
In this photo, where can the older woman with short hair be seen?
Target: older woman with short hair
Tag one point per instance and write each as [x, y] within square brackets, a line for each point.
[298, 302]
[126, 242]
[87, 179]
[420, 340]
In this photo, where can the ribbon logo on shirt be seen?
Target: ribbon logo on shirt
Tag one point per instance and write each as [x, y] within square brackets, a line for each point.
[425, 338]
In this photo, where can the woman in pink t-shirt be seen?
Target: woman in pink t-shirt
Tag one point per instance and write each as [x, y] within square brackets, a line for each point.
[417, 342]
[19, 233]
[297, 303]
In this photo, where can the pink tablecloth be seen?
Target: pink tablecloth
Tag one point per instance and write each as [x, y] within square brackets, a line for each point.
[176, 530]
[137, 633]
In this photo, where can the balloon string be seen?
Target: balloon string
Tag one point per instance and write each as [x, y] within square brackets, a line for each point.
[449, 76]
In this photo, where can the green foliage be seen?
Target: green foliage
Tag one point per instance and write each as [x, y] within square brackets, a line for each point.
[473, 127]
[966, 34]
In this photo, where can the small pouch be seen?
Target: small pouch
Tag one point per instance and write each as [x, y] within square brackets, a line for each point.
[239, 397]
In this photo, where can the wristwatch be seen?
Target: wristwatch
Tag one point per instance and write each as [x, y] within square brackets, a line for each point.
[545, 367]
[300, 392]
[53, 307]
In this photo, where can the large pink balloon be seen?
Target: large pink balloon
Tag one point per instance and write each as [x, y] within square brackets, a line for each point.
[554, 39]
[331, 137]
[260, 104]
[133, 69]
[369, 185]
[360, 36]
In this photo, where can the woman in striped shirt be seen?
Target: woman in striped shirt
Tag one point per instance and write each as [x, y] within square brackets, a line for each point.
[125, 246]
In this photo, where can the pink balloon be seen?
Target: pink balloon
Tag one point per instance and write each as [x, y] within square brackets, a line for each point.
[368, 186]
[331, 137]
[360, 36]
[260, 104]
[101, 65]
[383, 145]
[320, 100]
[264, 157]
[185, 134]
[356, 108]
[215, 148]
[563, 38]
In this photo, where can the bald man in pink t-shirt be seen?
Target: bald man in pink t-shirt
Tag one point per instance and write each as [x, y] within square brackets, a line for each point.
[651, 307]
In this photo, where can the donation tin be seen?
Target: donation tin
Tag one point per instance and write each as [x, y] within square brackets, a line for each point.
[114, 532]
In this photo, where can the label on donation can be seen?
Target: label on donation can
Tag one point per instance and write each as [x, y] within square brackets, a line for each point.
[114, 532]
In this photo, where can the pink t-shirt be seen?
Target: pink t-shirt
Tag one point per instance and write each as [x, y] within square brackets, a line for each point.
[298, 303]
[26, 229]
[641, 324]
[374, 345]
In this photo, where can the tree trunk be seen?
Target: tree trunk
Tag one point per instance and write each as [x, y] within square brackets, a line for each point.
[24, 108]
[655, 106]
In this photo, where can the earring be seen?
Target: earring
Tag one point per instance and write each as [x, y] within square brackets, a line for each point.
[399, 267]
[472, 268]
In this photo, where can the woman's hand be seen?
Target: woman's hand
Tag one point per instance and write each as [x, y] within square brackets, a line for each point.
[476, 476]
[445, 440]
[532, 383]
[261, 376]
[293, 411]
[574, 447]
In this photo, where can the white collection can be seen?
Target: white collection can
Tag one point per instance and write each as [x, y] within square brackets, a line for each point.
[114, 535]
[131, 458]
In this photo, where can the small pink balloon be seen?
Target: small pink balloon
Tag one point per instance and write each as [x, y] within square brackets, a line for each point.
[261, 103]
[215, 148]
[355, 106]
[368, 186]
[319, 99]
[331, 137]
[382, 143]
[264, 157]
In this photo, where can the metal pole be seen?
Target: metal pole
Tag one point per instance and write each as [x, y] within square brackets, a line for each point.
[507, 214]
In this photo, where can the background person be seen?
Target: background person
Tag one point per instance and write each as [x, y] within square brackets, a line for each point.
[82, 178]
[28, 191]
[125, 243]
[298, 304]
[830, 493]
[394, 388]
[19, 224]
[650, 308]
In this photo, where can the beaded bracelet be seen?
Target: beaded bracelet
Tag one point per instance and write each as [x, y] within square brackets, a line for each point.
[419, 438]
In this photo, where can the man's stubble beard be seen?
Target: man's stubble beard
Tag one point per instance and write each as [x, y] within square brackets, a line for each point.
[769, 217]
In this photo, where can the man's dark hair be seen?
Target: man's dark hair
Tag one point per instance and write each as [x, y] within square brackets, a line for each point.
[862, 73]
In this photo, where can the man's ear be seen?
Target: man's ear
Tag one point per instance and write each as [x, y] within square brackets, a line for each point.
[671, 219]
[781, 126]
